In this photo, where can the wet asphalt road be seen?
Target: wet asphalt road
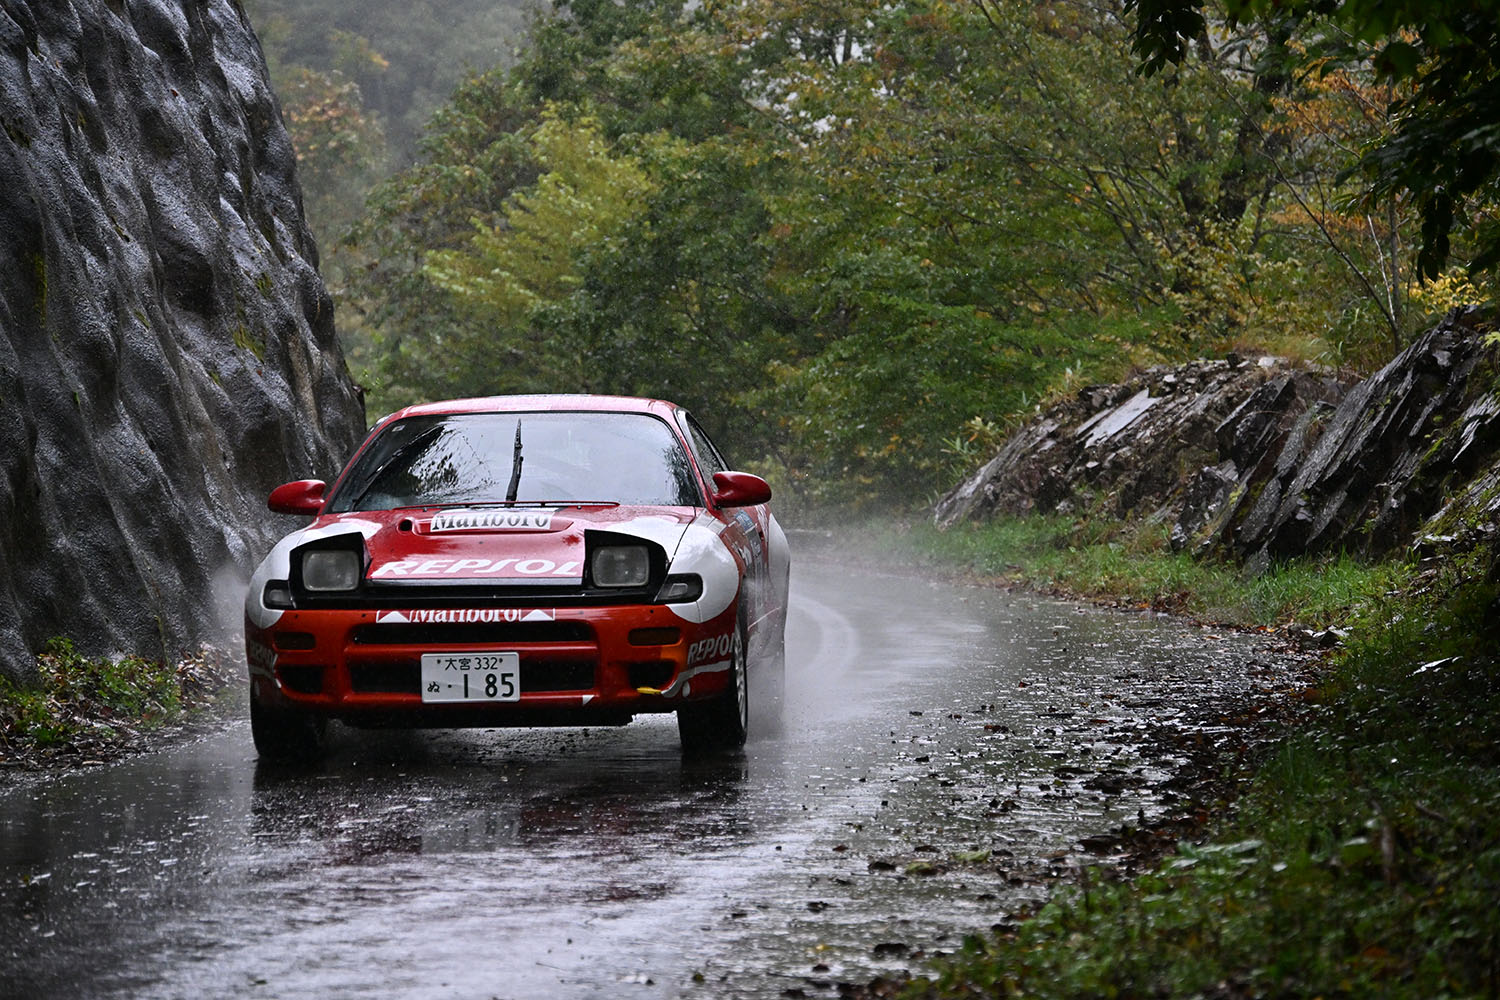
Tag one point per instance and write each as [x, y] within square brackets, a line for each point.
[945, 751]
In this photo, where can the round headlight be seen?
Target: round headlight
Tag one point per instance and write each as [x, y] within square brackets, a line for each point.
[330, 569]
[621, 566]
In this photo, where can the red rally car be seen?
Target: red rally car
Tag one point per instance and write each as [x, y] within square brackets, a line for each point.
[522, 561]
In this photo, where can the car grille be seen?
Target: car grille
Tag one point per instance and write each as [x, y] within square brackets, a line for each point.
[555, 656]
[483, 634]
[302, 679]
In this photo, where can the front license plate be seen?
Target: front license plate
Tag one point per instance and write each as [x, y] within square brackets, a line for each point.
[471, 676]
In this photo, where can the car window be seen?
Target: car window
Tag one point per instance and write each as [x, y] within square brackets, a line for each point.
[628, 458]
[709, 457]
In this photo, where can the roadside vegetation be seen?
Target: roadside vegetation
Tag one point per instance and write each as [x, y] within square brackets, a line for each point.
[1106, 560]
[1363, 858]
[860, 240]
[81, 707]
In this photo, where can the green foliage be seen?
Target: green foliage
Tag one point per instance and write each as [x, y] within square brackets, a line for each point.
[569, 54]
[583, 195]
[1099, 558]
[677, 304]
[475, 156]
[842, 231]
[247, 341]
[357, 83]
[1014, 181]
[715, 250]
[1443, 154]
[1362, 859]
[77, 694]
[405, 57]
[871, 416]
[340, 145]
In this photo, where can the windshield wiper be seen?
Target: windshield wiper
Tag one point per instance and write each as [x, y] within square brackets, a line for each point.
[515, 469]
[422, 438]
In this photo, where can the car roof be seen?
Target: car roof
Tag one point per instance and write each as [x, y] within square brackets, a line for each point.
[561, 402]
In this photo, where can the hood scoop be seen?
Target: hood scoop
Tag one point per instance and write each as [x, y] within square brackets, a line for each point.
[503, 520]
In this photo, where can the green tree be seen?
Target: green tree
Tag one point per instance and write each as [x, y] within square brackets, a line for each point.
[340, 145]
[677, 303]
[414, 337]
[1444, 149]
[407, 56]
[514, 267]
[842, 231]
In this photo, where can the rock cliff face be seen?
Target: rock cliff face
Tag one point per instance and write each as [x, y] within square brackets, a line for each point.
[1262, 461]
[1365, 475]
[167, 351]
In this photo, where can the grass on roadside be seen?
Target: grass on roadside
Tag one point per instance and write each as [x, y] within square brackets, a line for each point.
[83, 703]
[1363, 860]
[1058, 554]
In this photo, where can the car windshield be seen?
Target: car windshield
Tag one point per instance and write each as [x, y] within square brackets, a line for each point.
[471, 458]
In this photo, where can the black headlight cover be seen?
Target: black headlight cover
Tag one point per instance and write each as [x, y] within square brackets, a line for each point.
[680, 588]
[656, 558]
[352, 542]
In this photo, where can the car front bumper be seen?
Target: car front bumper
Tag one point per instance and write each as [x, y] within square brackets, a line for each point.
[581, 665]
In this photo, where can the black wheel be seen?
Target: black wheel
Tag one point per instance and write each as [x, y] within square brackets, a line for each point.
[287, 735]
[722, 722]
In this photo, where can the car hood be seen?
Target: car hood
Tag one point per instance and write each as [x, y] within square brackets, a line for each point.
[497, 543]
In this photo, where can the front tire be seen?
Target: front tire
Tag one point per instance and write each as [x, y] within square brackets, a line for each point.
[287, 735]
[722, 722]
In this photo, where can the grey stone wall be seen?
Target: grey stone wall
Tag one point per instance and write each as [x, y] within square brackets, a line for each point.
[167, 348]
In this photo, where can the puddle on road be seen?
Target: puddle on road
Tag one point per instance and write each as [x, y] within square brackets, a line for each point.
[946, 753]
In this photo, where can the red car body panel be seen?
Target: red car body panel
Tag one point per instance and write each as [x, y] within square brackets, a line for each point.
[577, 664]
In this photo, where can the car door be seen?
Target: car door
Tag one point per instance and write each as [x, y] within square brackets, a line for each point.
[745, 528]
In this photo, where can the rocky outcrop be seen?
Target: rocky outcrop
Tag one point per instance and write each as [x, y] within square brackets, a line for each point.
[1263, 461]
[1168, 439]
[1364, 476]
[168, 352]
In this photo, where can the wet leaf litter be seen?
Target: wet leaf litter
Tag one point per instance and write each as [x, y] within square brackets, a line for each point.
[969, 807]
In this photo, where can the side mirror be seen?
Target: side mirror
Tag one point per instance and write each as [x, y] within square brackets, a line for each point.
[739, 489]
[305, 496]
